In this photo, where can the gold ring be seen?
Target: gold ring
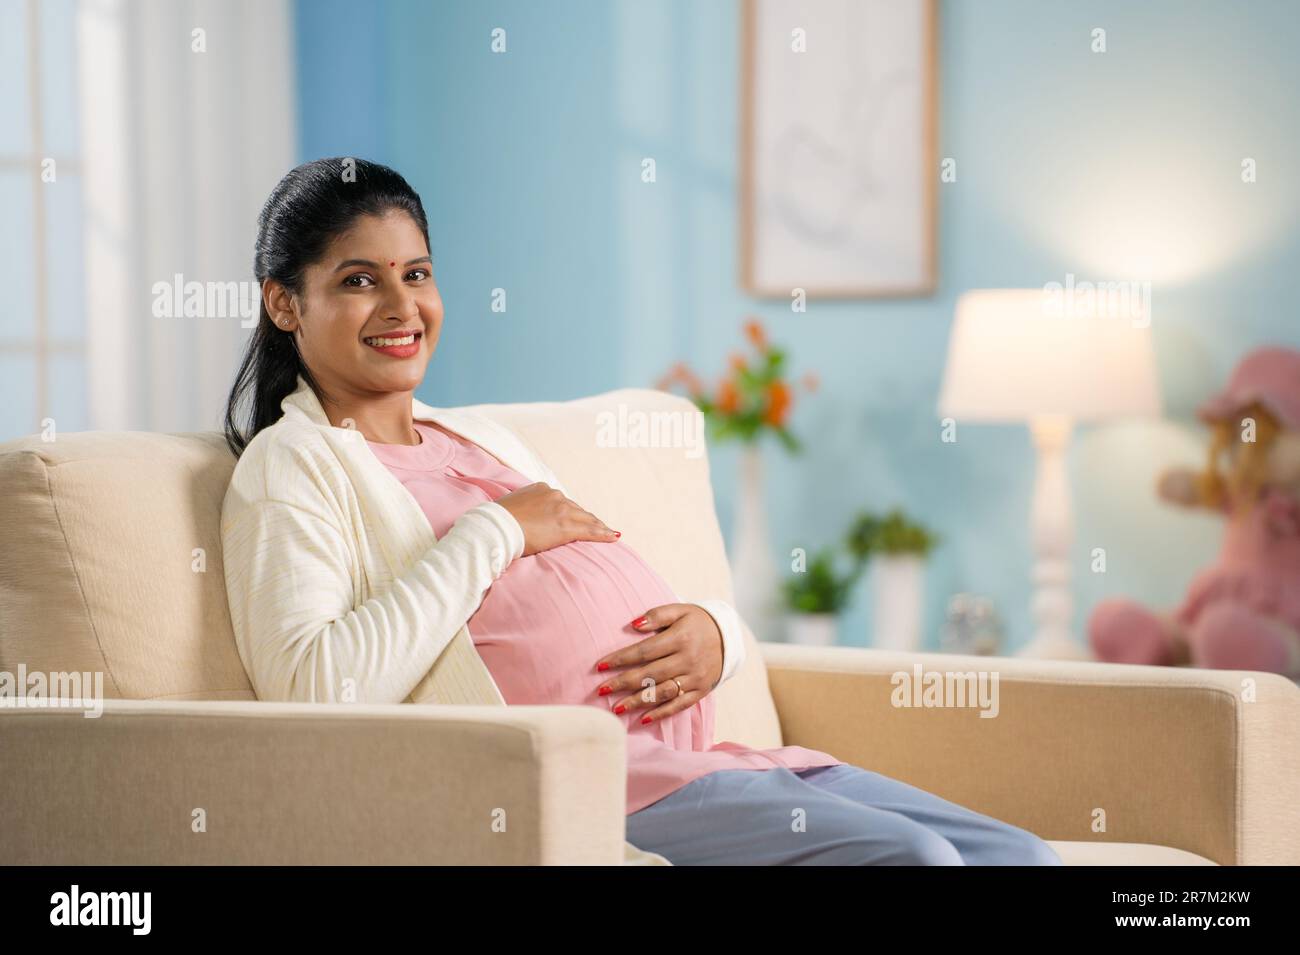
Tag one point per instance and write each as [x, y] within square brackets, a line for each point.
[680, 691]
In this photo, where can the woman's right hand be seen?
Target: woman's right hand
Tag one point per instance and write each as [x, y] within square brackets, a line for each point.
[550, 519]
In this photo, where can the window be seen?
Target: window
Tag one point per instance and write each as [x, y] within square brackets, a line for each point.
[43, 320]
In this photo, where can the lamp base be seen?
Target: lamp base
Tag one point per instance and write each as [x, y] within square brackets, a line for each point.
[1052, 531]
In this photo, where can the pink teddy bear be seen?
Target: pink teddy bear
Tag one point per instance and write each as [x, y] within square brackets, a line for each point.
[1243, 611]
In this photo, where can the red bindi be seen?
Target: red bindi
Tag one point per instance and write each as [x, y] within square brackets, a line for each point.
[391, 264]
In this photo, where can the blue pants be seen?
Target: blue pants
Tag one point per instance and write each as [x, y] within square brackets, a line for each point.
[827, 815]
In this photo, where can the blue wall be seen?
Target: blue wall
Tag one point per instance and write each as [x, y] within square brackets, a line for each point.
[1124, 164]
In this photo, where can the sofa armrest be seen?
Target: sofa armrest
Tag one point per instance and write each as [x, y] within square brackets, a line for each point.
[1171, 756]
[311, 784]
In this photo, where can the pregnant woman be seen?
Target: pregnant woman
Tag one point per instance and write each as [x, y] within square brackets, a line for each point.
[366, 534]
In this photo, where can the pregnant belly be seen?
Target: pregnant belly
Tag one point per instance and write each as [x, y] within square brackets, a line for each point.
[547, 620]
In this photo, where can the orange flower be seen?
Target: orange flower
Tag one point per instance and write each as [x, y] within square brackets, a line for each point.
[672, 375]
[754, 331]
[728, 396]
[737, 361]
[778, 397]
[680, 372]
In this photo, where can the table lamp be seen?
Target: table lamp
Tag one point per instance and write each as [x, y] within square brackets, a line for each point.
[1036, 356]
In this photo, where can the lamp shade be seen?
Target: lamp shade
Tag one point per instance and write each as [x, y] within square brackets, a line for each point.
[1017, 354]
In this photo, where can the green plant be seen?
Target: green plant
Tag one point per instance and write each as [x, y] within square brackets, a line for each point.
[820, 588]
[893, 535]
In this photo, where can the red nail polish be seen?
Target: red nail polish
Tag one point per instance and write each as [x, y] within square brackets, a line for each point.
[602, 666]
[645, 719]
[638, 621]
[620, 708]
[618, 533]
[605, 691]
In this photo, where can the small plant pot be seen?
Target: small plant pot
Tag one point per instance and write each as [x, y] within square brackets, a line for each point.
[811, 629]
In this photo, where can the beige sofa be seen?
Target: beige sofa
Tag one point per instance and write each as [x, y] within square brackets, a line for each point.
[110, 562]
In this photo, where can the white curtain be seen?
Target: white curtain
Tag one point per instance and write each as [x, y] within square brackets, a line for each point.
[180, 147]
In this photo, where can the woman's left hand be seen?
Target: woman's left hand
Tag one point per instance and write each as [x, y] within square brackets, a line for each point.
[687, 646]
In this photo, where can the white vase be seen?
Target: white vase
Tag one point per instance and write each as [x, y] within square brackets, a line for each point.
[753, 569]
[811, 629]
[898, 593]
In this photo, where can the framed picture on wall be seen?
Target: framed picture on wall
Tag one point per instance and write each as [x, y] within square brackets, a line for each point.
[838, 164]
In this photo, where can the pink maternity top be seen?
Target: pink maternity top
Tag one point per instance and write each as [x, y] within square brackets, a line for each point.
[550, 616]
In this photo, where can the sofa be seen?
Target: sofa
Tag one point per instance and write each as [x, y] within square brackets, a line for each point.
[110, 563]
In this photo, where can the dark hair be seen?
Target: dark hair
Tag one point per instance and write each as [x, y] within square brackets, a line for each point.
[308, 208]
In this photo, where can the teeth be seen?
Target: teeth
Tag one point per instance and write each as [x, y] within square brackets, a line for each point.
[390, 342]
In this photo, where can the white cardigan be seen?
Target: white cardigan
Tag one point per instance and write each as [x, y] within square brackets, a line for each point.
[340, 591]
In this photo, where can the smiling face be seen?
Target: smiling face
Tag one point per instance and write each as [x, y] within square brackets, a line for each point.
[373, 282]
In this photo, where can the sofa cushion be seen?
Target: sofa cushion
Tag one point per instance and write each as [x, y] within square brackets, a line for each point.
[1125, 853]
[1071, 853]
[110, 562]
